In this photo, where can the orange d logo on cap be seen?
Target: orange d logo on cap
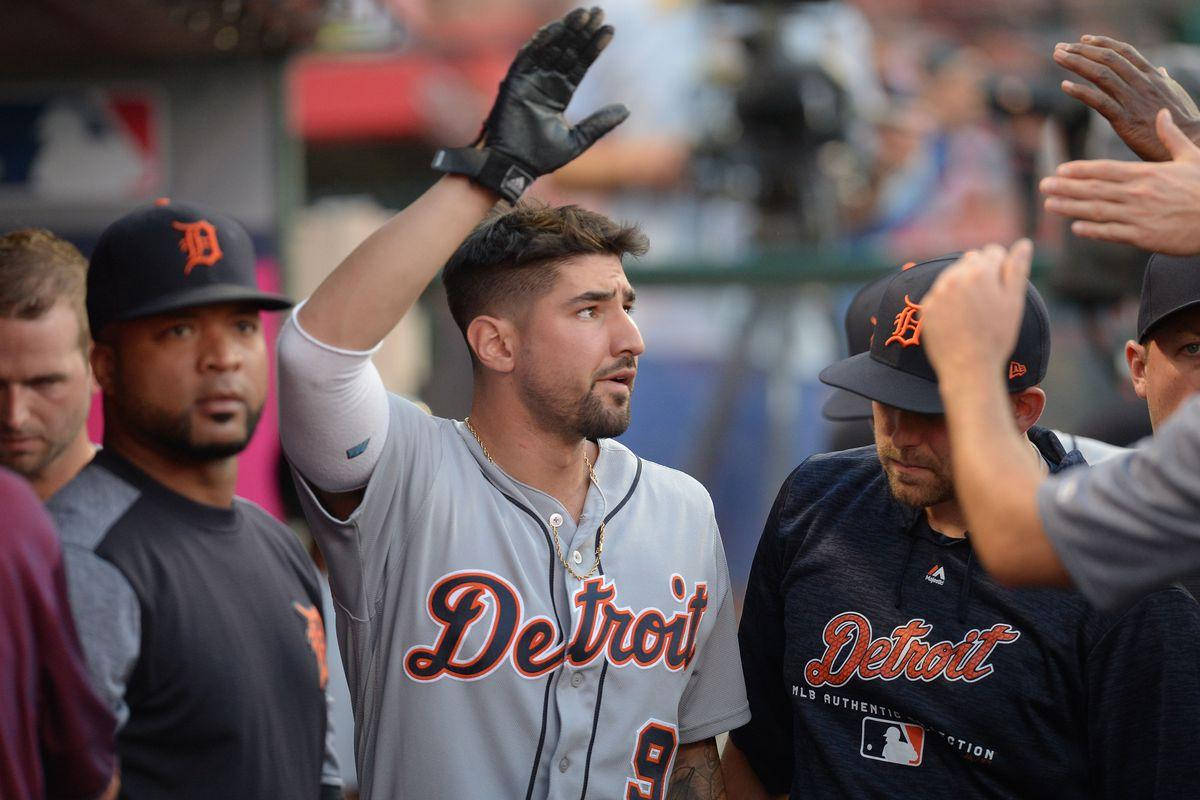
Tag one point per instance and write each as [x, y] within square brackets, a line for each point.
[199, 242]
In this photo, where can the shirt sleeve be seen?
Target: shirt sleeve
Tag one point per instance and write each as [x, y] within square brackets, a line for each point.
[714, 700]
[767, 740]
[75, 730]
[108, 619]
[1128, 525]
[1143, 696]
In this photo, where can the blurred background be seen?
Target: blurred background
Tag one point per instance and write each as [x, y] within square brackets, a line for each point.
[779, 154]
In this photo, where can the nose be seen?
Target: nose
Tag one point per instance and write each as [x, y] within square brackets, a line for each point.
[14, 407]
[627, 338]
[906, 428]
[219, 350]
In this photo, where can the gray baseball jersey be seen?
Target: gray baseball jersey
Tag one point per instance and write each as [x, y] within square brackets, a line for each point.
[480, 668]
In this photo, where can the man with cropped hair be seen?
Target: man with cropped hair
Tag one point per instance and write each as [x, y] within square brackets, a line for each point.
[45, 377]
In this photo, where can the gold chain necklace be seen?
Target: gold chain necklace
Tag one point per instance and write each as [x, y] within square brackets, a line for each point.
[553, 527]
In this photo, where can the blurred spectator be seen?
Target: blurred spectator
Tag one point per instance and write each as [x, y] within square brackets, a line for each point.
[56, 736]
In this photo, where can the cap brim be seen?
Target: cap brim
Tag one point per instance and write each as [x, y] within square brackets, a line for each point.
[1150, 325]
[868, 378]
[207, 296]
[843, 406]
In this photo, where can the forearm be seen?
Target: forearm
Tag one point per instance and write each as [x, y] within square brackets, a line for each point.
[371, 290]
[697, 773]
[996, 481]
[740, 779]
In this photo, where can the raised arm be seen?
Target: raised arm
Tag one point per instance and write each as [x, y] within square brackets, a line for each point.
[524, 136]
[334, 414]
[984, 292]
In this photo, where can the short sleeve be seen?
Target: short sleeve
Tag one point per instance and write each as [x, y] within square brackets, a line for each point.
[108, 618]
[715, 698]
[1128, 525]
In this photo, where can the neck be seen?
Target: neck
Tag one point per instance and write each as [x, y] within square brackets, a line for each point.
[66, 466]
[947, 518]
[532, 455]
[210, 482]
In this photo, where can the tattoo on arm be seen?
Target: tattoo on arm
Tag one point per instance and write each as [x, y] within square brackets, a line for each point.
[697, 773]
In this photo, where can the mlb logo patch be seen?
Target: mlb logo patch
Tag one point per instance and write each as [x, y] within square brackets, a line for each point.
[892, 741]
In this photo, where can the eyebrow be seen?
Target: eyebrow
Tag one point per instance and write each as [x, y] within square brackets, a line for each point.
[596, 296]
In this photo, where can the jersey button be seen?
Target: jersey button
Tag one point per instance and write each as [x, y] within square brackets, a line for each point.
[576, 679]
[564, 765]
[577, 557]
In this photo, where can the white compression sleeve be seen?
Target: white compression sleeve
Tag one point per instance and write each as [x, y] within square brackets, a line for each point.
[333, 409]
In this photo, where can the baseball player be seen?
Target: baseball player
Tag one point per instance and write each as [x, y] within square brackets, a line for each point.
[197, 611]
[45, 377]
[854, 411]
[878, 655]
[526, 608]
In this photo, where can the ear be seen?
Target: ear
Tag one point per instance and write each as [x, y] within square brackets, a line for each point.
[104, 367]
[493, 340]
[1135, 357]
[1028, 405]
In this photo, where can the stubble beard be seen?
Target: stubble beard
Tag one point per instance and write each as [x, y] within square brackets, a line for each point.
[939, 488]
[173, 432]
[585, 417]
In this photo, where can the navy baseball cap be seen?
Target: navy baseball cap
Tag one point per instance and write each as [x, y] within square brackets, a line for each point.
[1171, 284]
[170, 256]
[895, 370]
[860, 321]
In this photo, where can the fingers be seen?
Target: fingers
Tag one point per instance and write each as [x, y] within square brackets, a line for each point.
[1101, 66]
[1176, 141]
[1080, 189]
[1101, 169]
[1014, 271]
[1126, 50]
[598, 124]
[1106, 231]
[1093, 98]
[1095, 210]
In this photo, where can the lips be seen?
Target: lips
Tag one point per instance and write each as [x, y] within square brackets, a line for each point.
[624, 377]
[216, 404]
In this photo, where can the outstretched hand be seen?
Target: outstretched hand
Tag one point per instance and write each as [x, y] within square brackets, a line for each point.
[527, 123]
[1128, 92]
[1154, 206]
[971, 316]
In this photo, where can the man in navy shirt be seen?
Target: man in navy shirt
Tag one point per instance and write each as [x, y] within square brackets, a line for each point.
[880, 658]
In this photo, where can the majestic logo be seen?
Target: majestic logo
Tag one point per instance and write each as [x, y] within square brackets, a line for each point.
[1016, 369]
[907, 329]
[936, 575]
[316, 638]
[484, 603]
[199, 243]
[892, 741]
[851, 651]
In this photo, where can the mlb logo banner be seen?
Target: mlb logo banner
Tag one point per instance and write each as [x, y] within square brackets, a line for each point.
[892, 741]
[71, 146]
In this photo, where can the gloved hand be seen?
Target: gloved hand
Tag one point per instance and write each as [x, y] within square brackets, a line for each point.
[526, 135]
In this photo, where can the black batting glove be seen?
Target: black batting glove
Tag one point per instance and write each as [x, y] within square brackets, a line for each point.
[526, 134]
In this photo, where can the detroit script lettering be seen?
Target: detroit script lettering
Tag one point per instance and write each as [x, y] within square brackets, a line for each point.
[462, 602]
[850, 651]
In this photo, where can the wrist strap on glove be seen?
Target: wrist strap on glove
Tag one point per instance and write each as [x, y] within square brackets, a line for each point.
[487, 168]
